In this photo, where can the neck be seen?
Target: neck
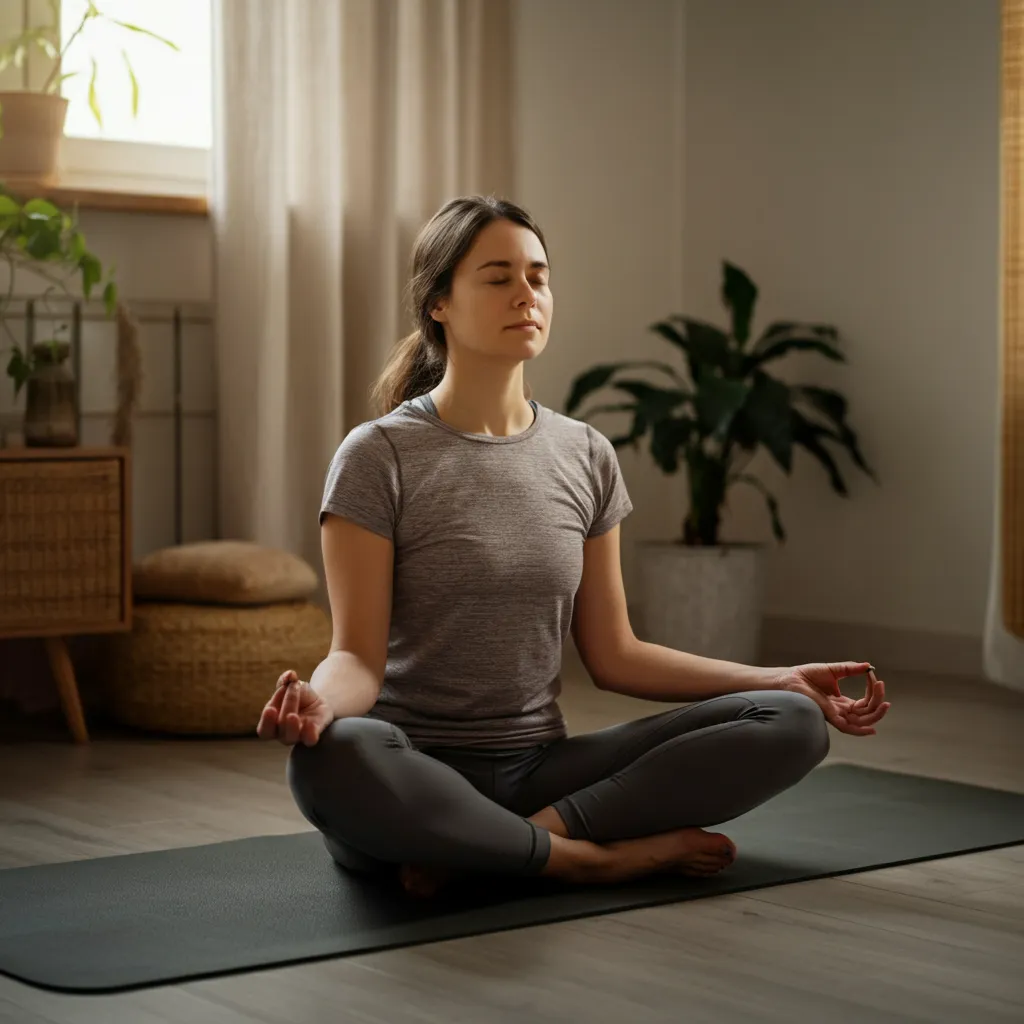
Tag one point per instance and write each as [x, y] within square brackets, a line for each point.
[488, 401]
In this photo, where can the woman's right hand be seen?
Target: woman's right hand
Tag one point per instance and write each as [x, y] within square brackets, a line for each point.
[295, 712]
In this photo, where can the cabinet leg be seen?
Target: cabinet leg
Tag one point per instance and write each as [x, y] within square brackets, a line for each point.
[64, 673]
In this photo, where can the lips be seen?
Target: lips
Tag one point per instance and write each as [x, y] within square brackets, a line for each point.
[522, 326]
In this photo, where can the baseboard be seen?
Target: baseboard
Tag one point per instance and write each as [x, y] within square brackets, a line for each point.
[787, 640]
[792, 641]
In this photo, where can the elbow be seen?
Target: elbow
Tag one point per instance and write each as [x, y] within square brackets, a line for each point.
[611, 670]
[601, 677]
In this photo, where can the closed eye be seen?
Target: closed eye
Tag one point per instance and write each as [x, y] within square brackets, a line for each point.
[540, 284]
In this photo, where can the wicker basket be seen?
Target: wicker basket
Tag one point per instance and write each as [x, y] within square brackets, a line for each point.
[188, 668]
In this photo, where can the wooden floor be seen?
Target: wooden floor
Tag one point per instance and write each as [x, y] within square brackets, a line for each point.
[936, 941]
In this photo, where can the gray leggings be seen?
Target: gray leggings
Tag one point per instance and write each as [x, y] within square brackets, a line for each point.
[379, 801]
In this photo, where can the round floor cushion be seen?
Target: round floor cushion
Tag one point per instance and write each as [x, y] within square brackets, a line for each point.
[223, 572]
[198, 668]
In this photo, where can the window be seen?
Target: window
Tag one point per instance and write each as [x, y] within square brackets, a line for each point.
[165, 147]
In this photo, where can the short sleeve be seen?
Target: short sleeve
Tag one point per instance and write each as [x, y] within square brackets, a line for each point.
[611, 500]
[363, 481]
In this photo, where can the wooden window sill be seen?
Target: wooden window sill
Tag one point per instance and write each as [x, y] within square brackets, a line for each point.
[115, 201]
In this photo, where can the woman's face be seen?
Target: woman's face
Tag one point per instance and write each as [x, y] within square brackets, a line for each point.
[503, 280]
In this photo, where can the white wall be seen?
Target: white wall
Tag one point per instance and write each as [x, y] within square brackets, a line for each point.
[599, 94]
[158, 257]
[847, 155]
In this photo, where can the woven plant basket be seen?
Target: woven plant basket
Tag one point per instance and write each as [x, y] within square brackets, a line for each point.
[189, 668]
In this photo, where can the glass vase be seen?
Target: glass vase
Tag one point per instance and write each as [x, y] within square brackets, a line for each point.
[51, 416]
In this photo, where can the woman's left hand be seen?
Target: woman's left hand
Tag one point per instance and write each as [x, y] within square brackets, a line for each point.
[820, 682]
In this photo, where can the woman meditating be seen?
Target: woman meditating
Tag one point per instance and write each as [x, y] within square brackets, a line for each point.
[465, 532]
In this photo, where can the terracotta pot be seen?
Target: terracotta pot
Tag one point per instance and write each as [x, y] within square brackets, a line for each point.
[33, 125]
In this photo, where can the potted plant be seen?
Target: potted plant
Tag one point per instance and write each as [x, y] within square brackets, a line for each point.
[32, 121]
[698, 593]
[39, 239]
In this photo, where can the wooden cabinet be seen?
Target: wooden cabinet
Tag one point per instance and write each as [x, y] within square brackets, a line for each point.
[65, 552]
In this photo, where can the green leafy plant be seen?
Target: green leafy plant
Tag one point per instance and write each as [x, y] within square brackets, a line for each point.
[715, 421]
[46, 38]
[39, 239]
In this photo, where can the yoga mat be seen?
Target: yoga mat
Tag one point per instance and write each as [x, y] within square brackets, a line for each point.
[116, 923]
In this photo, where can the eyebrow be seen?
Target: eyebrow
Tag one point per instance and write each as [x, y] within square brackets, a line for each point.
[538, 264]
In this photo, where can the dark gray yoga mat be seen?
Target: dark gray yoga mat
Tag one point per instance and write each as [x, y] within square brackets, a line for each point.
[115, 923]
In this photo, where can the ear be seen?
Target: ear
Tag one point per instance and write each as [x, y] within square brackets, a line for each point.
[438, 312]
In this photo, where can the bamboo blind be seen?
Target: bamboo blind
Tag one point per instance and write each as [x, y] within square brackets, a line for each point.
[1012, 157]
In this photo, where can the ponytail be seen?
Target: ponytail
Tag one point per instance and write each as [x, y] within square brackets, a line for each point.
[414, 367]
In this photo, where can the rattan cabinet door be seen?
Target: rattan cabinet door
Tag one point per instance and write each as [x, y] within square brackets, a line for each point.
[61, 545]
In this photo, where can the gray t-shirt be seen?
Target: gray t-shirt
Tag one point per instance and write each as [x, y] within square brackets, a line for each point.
[488, 534]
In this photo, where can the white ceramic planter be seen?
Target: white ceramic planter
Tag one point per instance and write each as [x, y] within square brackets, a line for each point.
[33, 126]
[703, 600]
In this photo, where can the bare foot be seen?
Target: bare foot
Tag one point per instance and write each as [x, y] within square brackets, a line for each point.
[421, 881]
[689, 851]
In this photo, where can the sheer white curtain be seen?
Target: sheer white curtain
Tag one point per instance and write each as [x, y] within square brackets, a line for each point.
[340, 127]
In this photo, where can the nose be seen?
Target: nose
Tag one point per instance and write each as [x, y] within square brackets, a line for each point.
[526, 295]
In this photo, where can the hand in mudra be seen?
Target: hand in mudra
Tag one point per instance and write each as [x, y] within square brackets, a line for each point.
[295, 712]
[820, 682]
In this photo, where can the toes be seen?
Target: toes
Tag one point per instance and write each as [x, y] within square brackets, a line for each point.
[727, 849]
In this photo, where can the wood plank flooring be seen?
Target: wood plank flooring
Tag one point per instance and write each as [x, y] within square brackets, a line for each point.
[937, 941]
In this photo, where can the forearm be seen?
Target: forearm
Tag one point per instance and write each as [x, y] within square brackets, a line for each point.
[653, 672]
[346, 683]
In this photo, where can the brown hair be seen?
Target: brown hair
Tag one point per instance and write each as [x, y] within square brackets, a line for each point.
[418, 360]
